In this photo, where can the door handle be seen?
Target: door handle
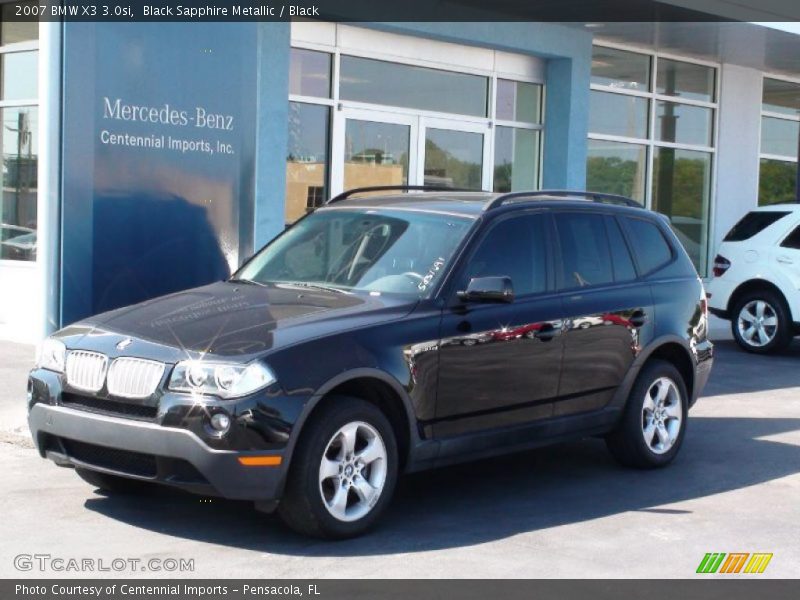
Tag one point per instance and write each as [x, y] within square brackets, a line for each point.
[638, 318]
[785, 260]
[546, 333]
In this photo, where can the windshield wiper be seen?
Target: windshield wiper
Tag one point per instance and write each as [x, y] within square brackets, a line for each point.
[316, 286]
[246, 281]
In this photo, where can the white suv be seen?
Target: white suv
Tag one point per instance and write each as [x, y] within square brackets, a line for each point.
[756, 281]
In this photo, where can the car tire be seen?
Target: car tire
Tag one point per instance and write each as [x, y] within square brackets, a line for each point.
[773, 309]
[653, 424]
[110, 483]
[336, 488]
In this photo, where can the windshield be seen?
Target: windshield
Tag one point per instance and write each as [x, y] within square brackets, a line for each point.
[384, 251]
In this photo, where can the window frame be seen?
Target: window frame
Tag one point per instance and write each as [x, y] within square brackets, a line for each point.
[491, 122]
[26, 46]
[774, 115]
[651, 143]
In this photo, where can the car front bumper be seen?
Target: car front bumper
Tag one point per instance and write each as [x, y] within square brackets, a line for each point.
[100, 439]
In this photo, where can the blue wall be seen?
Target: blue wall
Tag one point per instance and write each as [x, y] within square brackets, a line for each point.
[145, 219]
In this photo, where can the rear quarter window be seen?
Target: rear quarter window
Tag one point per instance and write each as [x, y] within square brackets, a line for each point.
[752, 224]
[650, 247]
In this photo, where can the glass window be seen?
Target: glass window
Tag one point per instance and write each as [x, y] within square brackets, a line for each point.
[620, 255]
[617, 168]
[396, 252]
[392, 84]
[375, 153]
[777, 182]
[618, 114]
[752, 224]
[781, 97]
[516, 159]
[585, 255]
[683, 124]
[792, 240]
[453, 158]
[307, 158]
[779, 136]
[516, 248]
[13, 31]
[19, 183]
[310, 73]
[620, 69]
[681, 187]
[19, 75]
[517, 101]
[649, 246]
[686, 80]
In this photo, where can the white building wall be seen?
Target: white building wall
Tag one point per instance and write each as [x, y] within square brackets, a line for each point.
[737, 148]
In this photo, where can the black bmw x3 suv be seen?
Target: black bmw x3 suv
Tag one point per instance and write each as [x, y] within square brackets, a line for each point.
[387, 334]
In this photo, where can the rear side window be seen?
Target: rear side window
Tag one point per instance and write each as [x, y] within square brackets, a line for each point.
[753, 223]
[792, 240]
[620, 255]
[650, 247]
[585, 255]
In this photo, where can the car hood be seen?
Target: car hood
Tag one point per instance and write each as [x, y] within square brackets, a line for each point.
[229, 320]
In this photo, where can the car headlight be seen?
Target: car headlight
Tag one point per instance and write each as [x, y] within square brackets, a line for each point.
[225, 380]
[52, 355]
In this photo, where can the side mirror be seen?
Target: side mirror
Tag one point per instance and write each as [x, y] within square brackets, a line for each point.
[488, 289]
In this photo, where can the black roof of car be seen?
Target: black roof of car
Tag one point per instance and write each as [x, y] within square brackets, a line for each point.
[471, 204]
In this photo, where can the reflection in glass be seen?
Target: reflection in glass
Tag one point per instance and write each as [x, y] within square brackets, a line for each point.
[681, 186]
[19, 75]
[620, 69]
[375, 154]
[777, 182]
[19, 183]
[781, 97]
[516, 159]
[683, 124]
[453, 158]
[393, 84]
[687, 80]
[779, 136]
[518, 101]
[616, 168]
[618, 114]
[307, 159]
[310, 73]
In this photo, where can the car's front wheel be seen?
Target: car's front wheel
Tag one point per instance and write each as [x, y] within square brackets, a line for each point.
[761, 322]
[653, 425]
[343, 471]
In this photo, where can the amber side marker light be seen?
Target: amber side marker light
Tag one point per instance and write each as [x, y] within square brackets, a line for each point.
[260, 461]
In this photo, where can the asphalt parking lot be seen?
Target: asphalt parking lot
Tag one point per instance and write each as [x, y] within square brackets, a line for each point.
[564, 511]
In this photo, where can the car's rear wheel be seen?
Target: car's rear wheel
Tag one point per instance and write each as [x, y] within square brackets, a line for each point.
[111, 483]
[761, 322]
[343, 471]
[653, 425]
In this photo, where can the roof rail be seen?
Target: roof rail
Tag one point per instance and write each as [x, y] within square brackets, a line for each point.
[593, 196]
[395, 188]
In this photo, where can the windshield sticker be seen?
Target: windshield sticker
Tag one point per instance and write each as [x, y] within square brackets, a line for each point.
[432, 272]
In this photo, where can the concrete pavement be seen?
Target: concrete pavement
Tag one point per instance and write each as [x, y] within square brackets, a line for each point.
[565, 511]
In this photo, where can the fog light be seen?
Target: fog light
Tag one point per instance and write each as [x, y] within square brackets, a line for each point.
[220, 422]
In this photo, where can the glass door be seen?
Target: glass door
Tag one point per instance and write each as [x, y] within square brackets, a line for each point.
[454, 154]
[374, 148]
